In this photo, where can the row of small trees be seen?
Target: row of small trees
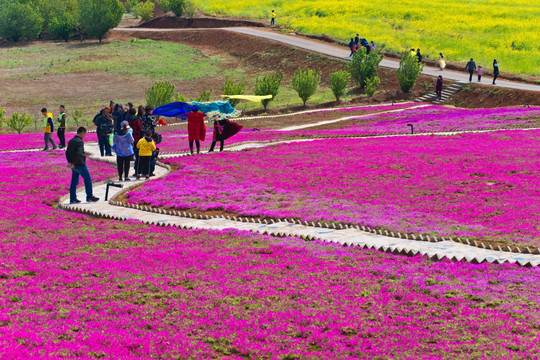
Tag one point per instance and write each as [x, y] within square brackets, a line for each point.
[145, 9]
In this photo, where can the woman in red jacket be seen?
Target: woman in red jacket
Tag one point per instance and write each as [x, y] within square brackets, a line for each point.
[196, 129]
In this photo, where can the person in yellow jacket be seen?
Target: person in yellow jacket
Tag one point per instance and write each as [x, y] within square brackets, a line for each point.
[146, 147]
[48, 128]
[272, 18]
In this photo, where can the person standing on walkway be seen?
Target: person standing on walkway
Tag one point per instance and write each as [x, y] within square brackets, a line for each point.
[48, 128]
[439, 87]
[196, 129]
[440, 62]
[123, 146]
[104, 127]
[357, 40]
[495, 70]
[62, 127]
[352, 46]
[480, 72]
[418, 55]
[118, 116]
[76, 159]
[146, 147]
[223, 129]
[273, 18]
[471, 66]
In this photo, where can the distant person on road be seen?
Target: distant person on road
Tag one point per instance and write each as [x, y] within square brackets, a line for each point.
[273, 18]
[352, 46]
[196, 129]
[440, 62]
[357, 40]
[146, 147]
[471, 66]
[418, 55]
[123, 146]
[495, 70]
[439, 87]
[62, 127]
[48, 128]
[76, 159]
[480, 72]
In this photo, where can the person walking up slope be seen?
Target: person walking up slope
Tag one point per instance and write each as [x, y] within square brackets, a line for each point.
[439, 87]
[48, 128]
[471, 66]
[76, 159]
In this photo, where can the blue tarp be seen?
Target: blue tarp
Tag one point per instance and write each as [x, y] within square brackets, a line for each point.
[175, 110]
[222, 107]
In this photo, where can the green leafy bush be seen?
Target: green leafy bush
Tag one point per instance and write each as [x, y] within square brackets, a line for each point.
[100, 16]
[268, 85]
[409, 71]
[305, 82]
[161, 93]
[177, 6]
[232, 87]
[19, 122]
[164, 5]
[190, 8]
[371, 85]
[338, 83]
[180, 98]
[363, 66]
[205, 96]
[19, 21]
[130, 5]
[63, 26]
[2, 116]
[145, 10]
[78, 118]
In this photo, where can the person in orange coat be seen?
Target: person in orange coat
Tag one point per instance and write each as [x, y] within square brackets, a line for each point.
[196, 129]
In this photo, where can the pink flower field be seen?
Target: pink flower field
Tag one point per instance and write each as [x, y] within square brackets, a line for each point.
[75, 286]
[479, 186]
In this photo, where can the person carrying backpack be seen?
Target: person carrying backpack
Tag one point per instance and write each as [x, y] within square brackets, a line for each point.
[104, 127]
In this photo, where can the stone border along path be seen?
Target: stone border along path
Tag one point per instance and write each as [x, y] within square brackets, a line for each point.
[341, 52]
[435, 249]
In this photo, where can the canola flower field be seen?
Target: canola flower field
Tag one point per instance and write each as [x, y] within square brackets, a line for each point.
[483, 29]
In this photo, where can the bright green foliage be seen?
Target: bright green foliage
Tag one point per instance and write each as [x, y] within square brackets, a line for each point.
[19, 122]
[363, 66]
[232, 87]
[19, 21]
[164, 5]
[205, 96]
[305, 82]
[2, 116]
[161, 93]
[130, 5]
[180, 98]
[100, 16]
[190, 8]
[77, 118]
[177, 6]
[409, 71]
[338, 83]
[371, 85]
[268, 85]
[145, 10]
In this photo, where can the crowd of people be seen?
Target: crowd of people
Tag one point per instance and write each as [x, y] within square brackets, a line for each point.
[358, 43]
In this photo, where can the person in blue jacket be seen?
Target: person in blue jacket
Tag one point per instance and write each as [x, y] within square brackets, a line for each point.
[123, 146]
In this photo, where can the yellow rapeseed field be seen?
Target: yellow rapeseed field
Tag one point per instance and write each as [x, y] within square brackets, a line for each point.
[506, 30]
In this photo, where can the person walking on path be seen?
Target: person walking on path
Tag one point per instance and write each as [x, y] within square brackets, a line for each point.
[272, 18]
[357, 40]
[196, 129]
[352, 46]
[104, 127]
[146, 147]
[62, 127]
[439, 87]
[480, 72]
[123, 146]
[118, 116]
[495, 70]
[418, 55]
[48, 128]
[471, 66]
[148, 121]
[223, 129]
[440, 62]
[76, 159]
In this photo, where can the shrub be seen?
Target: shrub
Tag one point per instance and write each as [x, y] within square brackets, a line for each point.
[145, 10]
[177, 6]
[19, 122]
[409, 71]
[130, 5]
[77, 118]
[233, 88]
[63, 26]
[19, 21]
[164, 5]
[180, 98]
[2, 116]
[205, 96]
[268, 85]
[363, 66]
[161, 93]
[338, 83]
[371, 85]
[100, 16]
[190, 8]
[305, 82]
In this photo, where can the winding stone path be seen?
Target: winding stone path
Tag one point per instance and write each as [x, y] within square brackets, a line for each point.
[342, 52]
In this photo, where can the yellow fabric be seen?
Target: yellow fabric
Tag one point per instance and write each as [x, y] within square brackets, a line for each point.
[145, 147]
[253, 98]
[273, 15]
[46, 125]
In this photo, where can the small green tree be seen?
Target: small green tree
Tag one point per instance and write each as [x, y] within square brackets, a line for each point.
[268, 85]
[205, 96]
[305, 82]
[77, 118]
[100, 16]
[161, 93]
[409, 71]
[2, 116]
[177, 7]
[145, 10]
[338, 83]
[19, 122]
[180, 98]
[164, 5]
[371, 86]
[19, 21]
[63, 26]
[232, 87]
[190, 9]
[363, 66]
[130, 5]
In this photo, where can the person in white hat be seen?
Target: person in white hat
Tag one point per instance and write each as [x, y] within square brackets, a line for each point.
[123, 146]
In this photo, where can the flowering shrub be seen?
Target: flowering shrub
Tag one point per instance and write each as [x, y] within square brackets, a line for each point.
[34, 140]
[75, 286]
[473, 185]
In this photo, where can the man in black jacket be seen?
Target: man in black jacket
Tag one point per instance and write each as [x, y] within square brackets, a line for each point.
[471, 66]
[77, 163]
[104, 127]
